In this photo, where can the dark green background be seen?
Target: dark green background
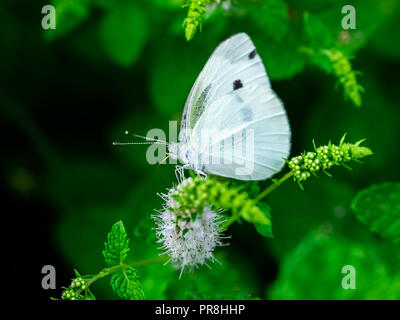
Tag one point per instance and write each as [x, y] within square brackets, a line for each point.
[66, 94]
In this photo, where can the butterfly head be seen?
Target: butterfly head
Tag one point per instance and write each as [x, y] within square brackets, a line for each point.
[173, 149]
[182, 152]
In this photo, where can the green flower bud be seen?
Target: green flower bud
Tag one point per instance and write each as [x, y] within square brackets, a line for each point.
[346, 75]
[192, 195]
[325, 157]
[194, 16]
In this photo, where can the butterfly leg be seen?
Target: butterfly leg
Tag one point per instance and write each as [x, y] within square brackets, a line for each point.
[201, 173]
[179, 172]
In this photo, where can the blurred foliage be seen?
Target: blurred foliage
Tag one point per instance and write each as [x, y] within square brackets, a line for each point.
[313, 270]
[116, 65]
[220, 296]
[271, 17]
[226, 276]
[123, 33]
[379, 208]
[303, 212]
[69, 15]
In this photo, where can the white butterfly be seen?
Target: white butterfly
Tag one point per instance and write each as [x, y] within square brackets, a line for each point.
[231, 99]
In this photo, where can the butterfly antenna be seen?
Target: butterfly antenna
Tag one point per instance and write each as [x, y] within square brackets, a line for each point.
[145, 138]
[163, 160]
[115, 143]
[148, 140]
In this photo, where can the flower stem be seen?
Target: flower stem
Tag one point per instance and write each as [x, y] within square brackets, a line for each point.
[107, 271]
[160, 259]
[263, 194]
[273, 186]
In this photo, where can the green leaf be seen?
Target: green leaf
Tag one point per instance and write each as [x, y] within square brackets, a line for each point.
[117, 245]
[262, 224]
[378, 207]
[271, 17]
[264, 229]
[123, 33]
[126, 285]
[253, 214]
[69, 15]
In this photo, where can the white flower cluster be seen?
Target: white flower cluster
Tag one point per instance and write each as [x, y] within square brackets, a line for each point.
[188, 241]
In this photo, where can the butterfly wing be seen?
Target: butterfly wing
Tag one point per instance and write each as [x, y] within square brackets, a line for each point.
[233, 64]
[244, 134]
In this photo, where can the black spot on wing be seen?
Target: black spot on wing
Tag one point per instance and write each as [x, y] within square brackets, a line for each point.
[252, 54]
[237, 84]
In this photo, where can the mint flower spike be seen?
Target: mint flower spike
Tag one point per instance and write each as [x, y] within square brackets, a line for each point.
[188, 229]
[196, 11]
[190, 225]
[193, 194]
[347, 77]
[325, 157]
